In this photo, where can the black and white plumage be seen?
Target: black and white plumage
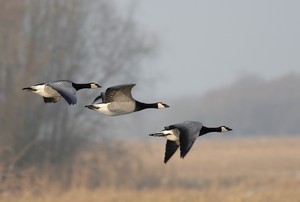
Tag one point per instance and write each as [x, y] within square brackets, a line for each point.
[183, 135]
[117, 100]
[54, 90]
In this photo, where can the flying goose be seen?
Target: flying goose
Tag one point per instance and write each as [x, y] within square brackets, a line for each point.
[183, 135]
[54, 90]
[117, 100]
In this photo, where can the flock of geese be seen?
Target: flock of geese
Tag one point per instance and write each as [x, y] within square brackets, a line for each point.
[118, 100]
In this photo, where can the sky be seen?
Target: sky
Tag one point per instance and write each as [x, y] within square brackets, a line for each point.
[205, 45]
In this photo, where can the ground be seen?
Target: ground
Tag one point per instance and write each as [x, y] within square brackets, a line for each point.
[233, 170]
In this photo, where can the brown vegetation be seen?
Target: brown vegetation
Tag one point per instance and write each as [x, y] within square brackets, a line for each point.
[215, 170]
[46, 152]
[42, 41]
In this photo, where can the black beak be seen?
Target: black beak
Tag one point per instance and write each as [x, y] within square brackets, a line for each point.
[166, 106]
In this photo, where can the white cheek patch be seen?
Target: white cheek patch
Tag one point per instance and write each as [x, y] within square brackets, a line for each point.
[94, 86]
[223, 129]
[160, 106]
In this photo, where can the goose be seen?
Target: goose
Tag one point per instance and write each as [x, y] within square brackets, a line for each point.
[117, 100]
[183, 135]
[54, 90]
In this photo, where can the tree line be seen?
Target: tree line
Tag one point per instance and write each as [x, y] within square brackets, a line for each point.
[43, 41]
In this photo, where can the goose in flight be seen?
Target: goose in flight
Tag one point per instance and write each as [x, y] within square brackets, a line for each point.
[54, 90]
[183, 135]
[117, 100]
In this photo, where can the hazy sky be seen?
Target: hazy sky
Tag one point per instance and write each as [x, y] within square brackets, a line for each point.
[206, 44]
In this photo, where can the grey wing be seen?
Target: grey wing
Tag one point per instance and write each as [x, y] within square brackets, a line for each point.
[171, 148]
[189, 131]
[120, 93]
[65, 89]
[121, 107]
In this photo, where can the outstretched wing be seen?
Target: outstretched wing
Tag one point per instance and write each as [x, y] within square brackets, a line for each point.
[189, 131]
[65, 89]
[171, 147]
[120, 93]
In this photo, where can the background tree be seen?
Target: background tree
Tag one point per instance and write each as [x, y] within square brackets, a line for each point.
[45, 40]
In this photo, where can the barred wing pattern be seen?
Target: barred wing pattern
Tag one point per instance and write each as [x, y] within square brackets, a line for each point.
[120, 93]
[65, 89]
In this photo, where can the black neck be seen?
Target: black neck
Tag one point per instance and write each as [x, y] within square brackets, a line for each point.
[79, 86]
[205, 130]
[141, 105]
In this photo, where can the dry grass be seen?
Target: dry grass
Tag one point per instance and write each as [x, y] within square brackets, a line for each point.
[254, 170]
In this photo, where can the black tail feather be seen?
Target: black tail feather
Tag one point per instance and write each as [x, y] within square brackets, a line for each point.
[28, 88]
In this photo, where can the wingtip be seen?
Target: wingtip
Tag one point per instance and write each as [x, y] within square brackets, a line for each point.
[71, 102]
[182, 156]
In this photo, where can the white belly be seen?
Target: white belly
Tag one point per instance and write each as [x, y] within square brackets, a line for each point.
[103, 108]
[45, 91]
[172, 135]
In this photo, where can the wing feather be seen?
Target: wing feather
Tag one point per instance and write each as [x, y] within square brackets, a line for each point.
[189, 131]
[120, 93]
[65, 89]
[171, 147]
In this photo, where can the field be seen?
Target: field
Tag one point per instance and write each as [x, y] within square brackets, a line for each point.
[235, 170]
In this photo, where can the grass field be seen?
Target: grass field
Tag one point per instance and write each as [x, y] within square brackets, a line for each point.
[236, 170]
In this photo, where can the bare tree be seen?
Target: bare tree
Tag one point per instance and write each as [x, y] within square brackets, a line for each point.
[44, 40]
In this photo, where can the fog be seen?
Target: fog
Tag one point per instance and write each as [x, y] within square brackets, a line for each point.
[204, 45]
[227, 63]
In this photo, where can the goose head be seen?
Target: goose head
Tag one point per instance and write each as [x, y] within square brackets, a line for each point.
[225, 129]
[94, 85]
[161, 105]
